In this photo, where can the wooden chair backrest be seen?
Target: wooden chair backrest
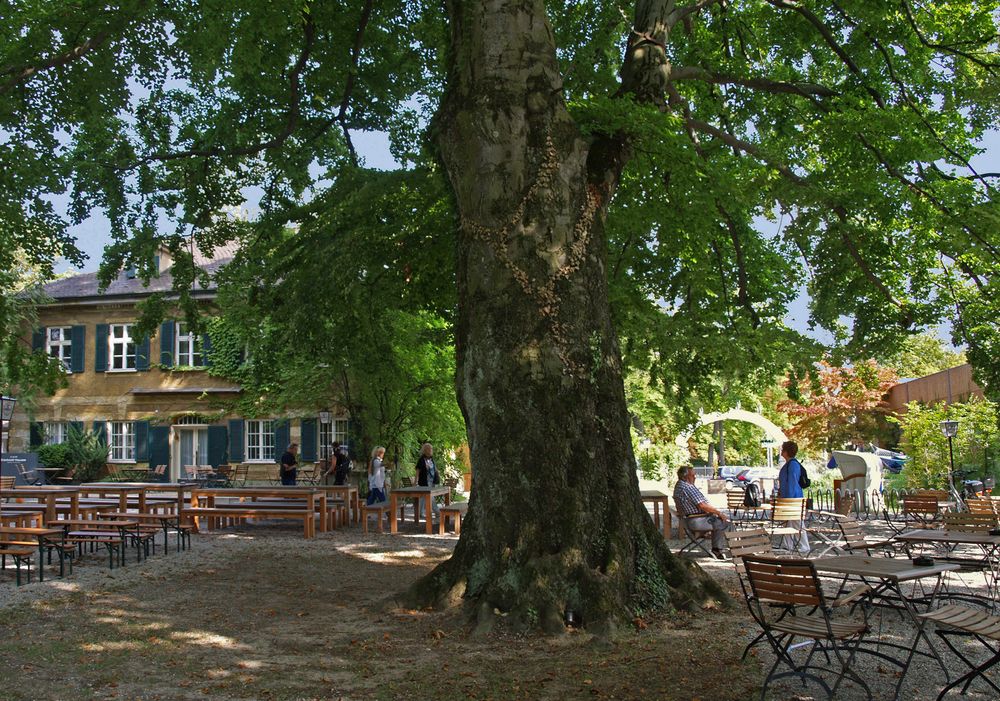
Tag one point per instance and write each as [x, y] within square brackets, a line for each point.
[7, 482]
[920, 504]
[788, 509]
[191, 471]
[850, 528]
[242, 472]
[160, 470]
[225, 470]
[734, 499]
[783, 581]
[966, 522]
[754, 541]
[981, 506]
[407, 481]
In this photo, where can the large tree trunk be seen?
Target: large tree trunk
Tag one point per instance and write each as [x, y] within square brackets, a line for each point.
[555, 522]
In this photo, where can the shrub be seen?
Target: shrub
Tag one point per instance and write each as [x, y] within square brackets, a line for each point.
[56, 455]
[88, 453]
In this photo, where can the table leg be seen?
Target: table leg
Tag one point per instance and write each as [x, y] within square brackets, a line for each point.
[323, 527]
[921, 633]
[428, 500]
[393, 528]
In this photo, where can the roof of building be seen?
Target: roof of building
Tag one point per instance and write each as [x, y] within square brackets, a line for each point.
[86, 285]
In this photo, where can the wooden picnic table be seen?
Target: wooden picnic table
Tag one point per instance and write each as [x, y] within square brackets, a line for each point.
[886, 575]
[48, 494]
[314, 499]
[658, 499]
[43, 537]
[141, 489]
[349, 494]
[416, 494]
[21, 518]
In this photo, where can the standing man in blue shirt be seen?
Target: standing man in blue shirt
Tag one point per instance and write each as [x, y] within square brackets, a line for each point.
[789, 487]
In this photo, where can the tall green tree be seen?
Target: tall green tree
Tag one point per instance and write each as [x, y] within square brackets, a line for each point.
[605, 171]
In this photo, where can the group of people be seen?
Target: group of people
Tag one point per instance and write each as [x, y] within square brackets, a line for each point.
[700, 515]
[340, 468]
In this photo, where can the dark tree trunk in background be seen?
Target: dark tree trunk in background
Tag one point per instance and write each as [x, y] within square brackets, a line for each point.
[555, 520]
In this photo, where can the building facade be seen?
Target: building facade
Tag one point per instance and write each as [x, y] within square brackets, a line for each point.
[951, 386]
[153, 400]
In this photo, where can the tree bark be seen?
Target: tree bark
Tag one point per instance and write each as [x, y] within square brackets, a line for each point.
[555, 521]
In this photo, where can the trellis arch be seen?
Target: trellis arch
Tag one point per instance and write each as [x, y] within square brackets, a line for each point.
[770, 429]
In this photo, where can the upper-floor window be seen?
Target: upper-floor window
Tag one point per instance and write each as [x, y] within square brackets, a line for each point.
[333, 432]
[121, 347]
[56, 432]
[260, 440]
[121, 440]
[59, 344]
[188, 347]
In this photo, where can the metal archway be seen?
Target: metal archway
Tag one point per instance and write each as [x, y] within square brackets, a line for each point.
[770, 429]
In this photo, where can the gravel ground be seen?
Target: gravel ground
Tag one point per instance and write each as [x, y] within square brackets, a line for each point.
[923, 681]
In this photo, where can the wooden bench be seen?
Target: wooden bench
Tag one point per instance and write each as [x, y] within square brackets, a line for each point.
[379, 508]
[336, 509]
[167, 521]
[456, 510]
[247, 510]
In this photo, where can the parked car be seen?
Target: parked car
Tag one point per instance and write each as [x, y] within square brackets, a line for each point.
[740, 475]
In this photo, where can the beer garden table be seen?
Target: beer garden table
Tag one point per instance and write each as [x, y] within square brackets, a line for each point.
[44, 537]
[48, 495]
[658, 499]
[989, 544]
[416, 494]
[885, 575]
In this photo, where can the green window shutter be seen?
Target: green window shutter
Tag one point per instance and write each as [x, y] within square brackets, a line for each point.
[236, 440]
[38, 340]
[37, 432]
[218, 441]
[101, 348]
[281, 437]
[167, 329]
[141, 429]
[159, 445]
[309, 439]
[142, 354]
[78, 349]
[206, 350]
[101, 429]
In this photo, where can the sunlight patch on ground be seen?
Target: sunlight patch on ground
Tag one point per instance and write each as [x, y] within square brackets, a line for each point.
[110, 646]
[203, 637]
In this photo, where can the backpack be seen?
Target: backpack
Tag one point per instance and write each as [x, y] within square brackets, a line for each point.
[804, 480]
[751, 496]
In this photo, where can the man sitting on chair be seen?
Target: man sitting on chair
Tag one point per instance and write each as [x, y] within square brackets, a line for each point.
[697, 512]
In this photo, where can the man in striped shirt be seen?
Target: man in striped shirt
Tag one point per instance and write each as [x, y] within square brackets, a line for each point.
[697, 512]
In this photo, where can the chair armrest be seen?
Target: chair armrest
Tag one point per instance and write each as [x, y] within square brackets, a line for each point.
[852, 597]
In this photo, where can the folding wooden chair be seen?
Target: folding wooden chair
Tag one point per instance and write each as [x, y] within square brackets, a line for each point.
[783, 510]
[855, 540]
[695, 537]
[794, 583]
[920, 510]
[29, 476]
[954, 620]
[734, 503]
[240, 475]
[755, 541]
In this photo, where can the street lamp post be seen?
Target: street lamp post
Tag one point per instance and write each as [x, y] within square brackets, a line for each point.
[950, 430]
[324, 419]
[769, 445]
[6, 413]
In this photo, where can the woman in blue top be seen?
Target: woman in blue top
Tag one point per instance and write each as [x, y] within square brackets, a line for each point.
[789, 488]
[788, 478]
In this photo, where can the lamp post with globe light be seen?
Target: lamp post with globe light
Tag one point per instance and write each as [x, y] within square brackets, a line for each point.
[950, 430]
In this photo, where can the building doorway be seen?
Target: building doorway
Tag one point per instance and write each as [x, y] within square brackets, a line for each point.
[191, 442]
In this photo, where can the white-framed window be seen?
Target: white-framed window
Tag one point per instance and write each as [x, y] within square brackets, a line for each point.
[333, 432]
[260, 440]
[121, 438]
[187, 347]
[59, 344]
[56, 432]
[121, 347]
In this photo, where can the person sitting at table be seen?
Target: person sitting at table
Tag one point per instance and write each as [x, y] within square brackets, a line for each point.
[376, 477]
[693, 506]
[427, 476]
[790, 487]
[288, 465]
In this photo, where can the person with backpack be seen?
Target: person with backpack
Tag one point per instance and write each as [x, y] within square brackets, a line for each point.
[792, 479]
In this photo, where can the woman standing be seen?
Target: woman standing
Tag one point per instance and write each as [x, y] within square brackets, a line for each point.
[427, 475]
[376, 476]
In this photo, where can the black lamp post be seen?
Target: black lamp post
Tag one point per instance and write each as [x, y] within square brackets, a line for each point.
[6, 413]
[950, 430]
[324, 419]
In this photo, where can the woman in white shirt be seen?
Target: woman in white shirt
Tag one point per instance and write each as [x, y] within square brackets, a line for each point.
[376, 476]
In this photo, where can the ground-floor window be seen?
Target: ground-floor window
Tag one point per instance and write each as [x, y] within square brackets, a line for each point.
[333, 432]
[56, 432]
[260, 440]
[121, 438]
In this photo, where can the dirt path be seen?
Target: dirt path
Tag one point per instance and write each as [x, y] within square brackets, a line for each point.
[267, 615]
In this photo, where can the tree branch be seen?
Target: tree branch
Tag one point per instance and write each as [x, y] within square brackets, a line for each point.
[757, 83]
[947, 48]
[291, 121]
[681, 13]
[20, 74]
